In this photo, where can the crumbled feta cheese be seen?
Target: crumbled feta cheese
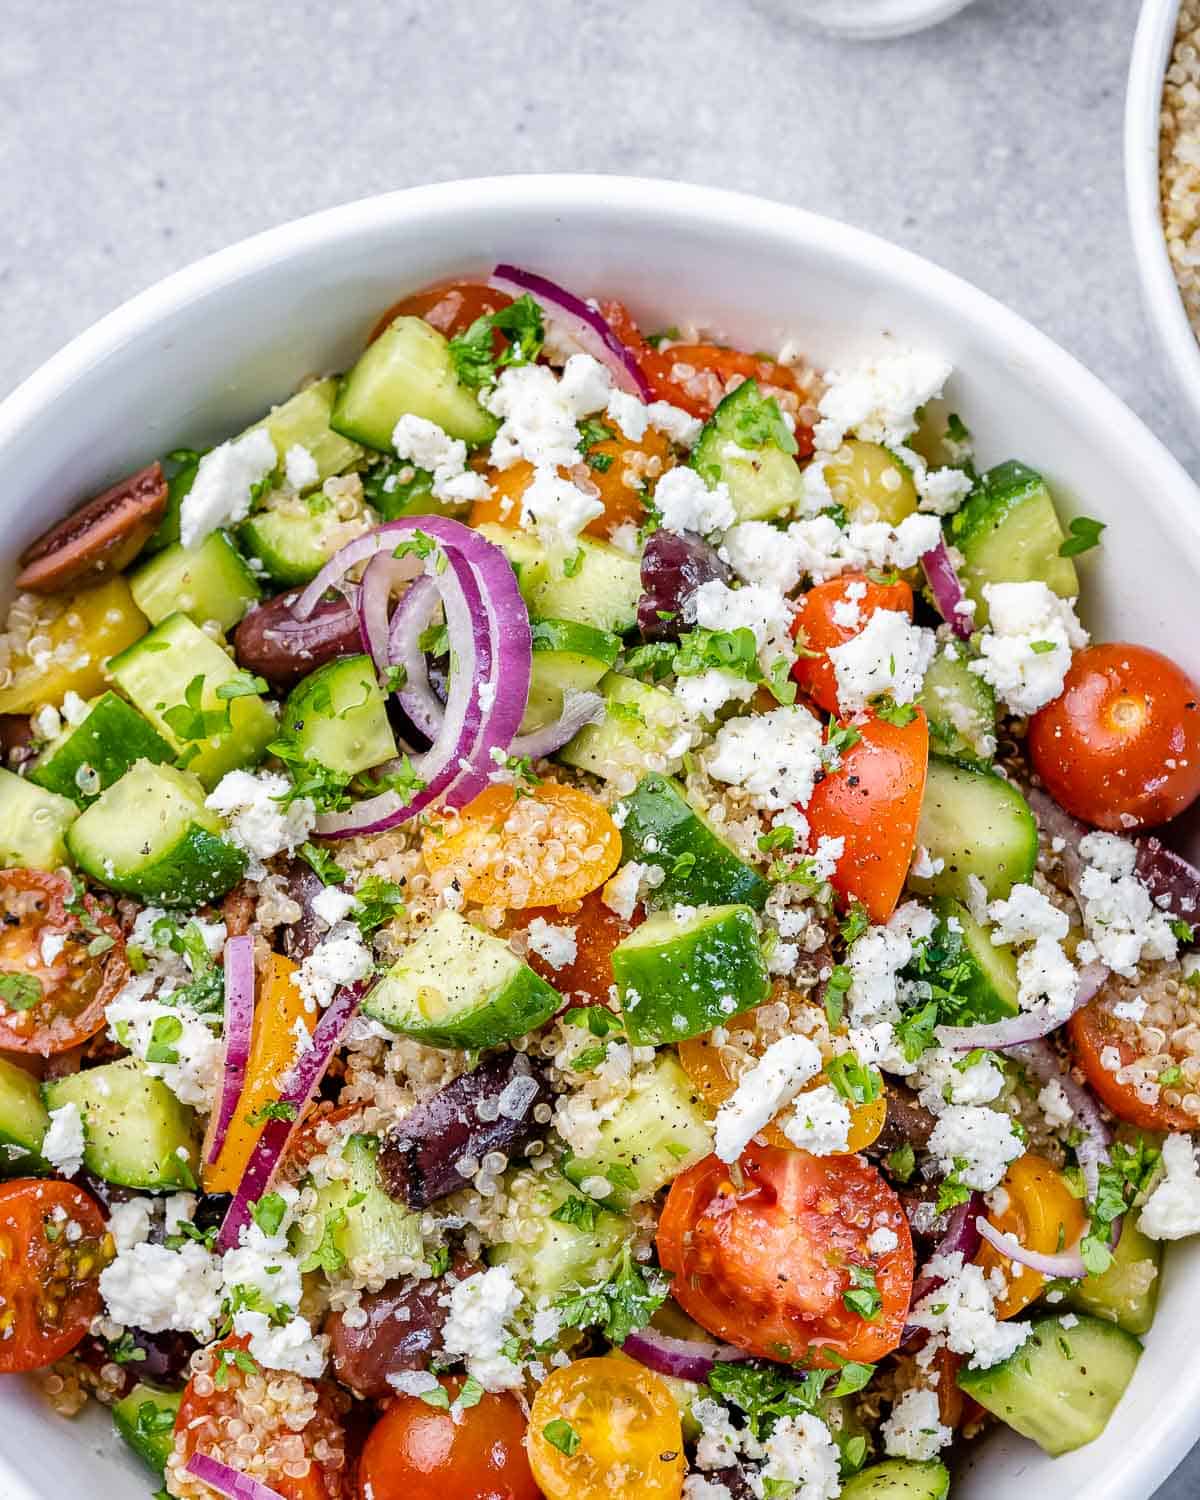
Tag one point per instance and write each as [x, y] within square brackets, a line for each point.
[557, 945]
[300, 467]
[824, 859]
[674, 423]
[129, 1223]
[774, 757]
[947, 1078]
[961, 1315]
[46, 723]
[332, 904]
[879, 399]
[820, 1122]
[338, 960]
[882, 1241]
[941, 491]
[1026, 915]
[556, 508]
[1054, 1105]
[257, 820]
[800, 1453]
[703, 696]
[1046, 979]
[151, 1287]
[1173, 1208]
[539, 411]
[876, 958]
[719, 1441]
[1026, 647]
[686, 503]
[74, 709]
[983, 1139]
[423, 443]
[189, 1063]
[62, 1146]
[914, 1429]
[623, 892]
[50, 946]
[630, 415]
[698, 1487]
[220, 492]
[1130, 1010]
[889, 655]
[763, 1090]
[480, 1308]
[293, 1346]
[1123, 923]
[763, 611]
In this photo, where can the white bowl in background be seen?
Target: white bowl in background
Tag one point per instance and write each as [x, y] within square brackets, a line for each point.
[1152, 46]
[877, 20]
[205, 351]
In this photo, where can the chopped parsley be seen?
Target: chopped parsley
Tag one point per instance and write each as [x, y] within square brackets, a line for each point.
[474, 352]
[577, 1211]
[852, 1080]
[618, 1306]
[322, 863]
[561, 1435]
[377, 901]
[1083, 535]
[20, 991]
[863, 1296]
[902, 1162]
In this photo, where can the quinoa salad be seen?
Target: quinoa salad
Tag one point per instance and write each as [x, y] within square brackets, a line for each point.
[583, 918]
[1179, 158]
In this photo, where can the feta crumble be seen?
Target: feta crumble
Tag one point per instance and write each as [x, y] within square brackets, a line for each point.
[1173, 1208]
[300, 467]
[961, 1316]
[481, 1306]
[774, 757]
[879, 399]
[914, 1430]
[257, 821]
[1027, 645]
[981, 1141]
[820, 1122]
[220, 492]
[1123, 924]
[762, 1091]
[889, 655]
[62, 1146]
[686, 503]
[557, 945]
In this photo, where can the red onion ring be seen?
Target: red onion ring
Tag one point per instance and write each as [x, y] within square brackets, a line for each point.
[961, 1238]
[1040, 1059]
[1174, 885]
[586, 326]
[947, 590]
[239, 1019]
[229, 1482]
[578, 709]
[1068, 1265]
[1016, 1031]
[685, 1359]
[412, 617]
[385, 575]
[1056, 823]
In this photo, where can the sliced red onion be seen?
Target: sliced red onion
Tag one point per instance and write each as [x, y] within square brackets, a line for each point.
[385, 576]
[1068, 1265]
[297, 1090]
[229, 1482]
[947, 590]
[578, 709]
[1173, 884]
[413, 616]
[239, 1019]
[1015, 1031]
[961, 1238]
[684, 1359]
[1041, 1060]
[584, 324]
[1058, 825]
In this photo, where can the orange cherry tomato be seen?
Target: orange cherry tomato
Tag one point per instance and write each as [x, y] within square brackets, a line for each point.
[49, 1275]
[420, 1452]
[554, 845]
[1044, 1215]
[588, 979]
[62, 959]
[1093, 1031]
[1120, 747]
[832, 613]
[873, 802]
[765, 1262]
[450, 307]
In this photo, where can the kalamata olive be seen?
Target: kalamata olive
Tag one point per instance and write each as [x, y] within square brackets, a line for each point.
[403, 1329]
[298, 939]
[273, 643]
[162, 1359]
[103, 536]
[488, 1109]
[674, 565]
[16, 740]
[907, 1122]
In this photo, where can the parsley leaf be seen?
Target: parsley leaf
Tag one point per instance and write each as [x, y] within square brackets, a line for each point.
[473, 352]
[561, 1435]
[377, 901]
[863, 1297]
[902, 1162]
[20, 991]
[852, 1080]
[619, 1306]
[322, 862]
[1084, 534]
[580, 1212]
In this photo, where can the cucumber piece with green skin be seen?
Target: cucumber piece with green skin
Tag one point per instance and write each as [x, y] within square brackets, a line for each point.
[1062, 1385]
[457, 986]
[685, 971]
[643, 728]
[596, 585]
[662, 828]
[89, 756]
[178, 487]
[33, 825]
[561, 1253]
[1009, 532]
[294, 541]
[976, 823]
[746, 445]
[960, 707]
[408, 369]
[357, 1219]
[304, 419]
[657, 1133]
[24, 1122]
[176, 659]
[145, 1418]
[1127, 1293]
[899, 1479]
[529, 559]
[208, 582]
[985, 978]
[338, 715]
[136, 1132]
[567, 657]
[150, 835]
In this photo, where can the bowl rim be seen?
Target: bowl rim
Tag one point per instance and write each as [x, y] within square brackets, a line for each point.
[1161, 296]
[1168, 489]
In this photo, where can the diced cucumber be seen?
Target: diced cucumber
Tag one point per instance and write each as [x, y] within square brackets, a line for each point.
[458, 986]
[146, 1420]
[208, 582]
[1127, 1293]
[643, 728]
[1009, 532]
[601, 589]
[407, 369]
[89, 756]
[357, 1219]
[960, 707]
[304, 419]
[178, 488]
[136, 1132]
[567, 657]
[177, 659]
[529, 559]
[338, 715]
[870, 483]
[899, 1479]
[294, 541]
[746, 444]
[985, 975]
[685, 971]
[571, 1251]
[33, 825]
[662, 828]
[1062, 1385]
[976, 823]
[659, 1131]
[23, 1122]
[150, 835]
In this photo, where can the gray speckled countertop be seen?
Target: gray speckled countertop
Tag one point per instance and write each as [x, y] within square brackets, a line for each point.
[138, 136]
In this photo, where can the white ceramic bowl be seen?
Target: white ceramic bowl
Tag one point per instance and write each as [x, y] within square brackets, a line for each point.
[1163, 301]
[208, 349]
[877, 20]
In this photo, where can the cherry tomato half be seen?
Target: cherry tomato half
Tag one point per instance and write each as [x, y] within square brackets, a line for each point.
[49, 1274]
[588, 978]
[1120, 747]
[873, 802]
[765, 1262]
[1093, 1031]
[832, 613]
[450, 307]
[1044, 1215]
[62, 959]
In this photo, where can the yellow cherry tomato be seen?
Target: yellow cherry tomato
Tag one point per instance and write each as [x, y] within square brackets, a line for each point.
[606, 1429]
[544, 849]
[870, 483]
[69, 641]
[1044, 1215]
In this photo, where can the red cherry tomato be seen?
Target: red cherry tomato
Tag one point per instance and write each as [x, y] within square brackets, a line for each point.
[588, 979]
[765, 1262]
[451, 307]
[817, 626]
[1120, 747]
[419, 1452]
[873, 802]
[1093, 1030]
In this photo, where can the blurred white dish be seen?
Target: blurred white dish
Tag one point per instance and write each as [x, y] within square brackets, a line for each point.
[876, 20]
